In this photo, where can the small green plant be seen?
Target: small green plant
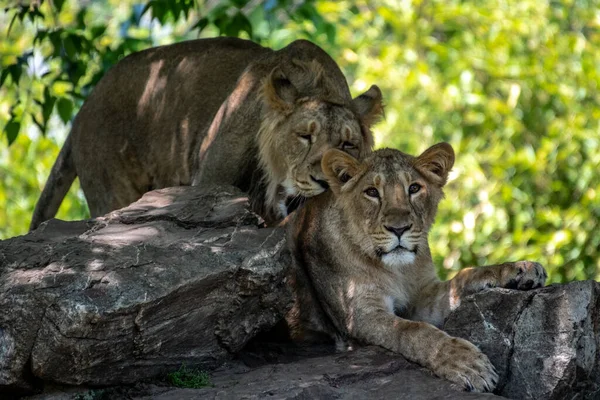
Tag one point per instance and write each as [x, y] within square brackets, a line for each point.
[94, 394]
[188, 378]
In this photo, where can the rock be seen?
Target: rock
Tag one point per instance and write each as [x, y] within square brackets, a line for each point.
[545, 343]
[189, 276]
[185, 275]
[366, 373]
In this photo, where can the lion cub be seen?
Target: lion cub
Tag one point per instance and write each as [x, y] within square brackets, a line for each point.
[363, 269]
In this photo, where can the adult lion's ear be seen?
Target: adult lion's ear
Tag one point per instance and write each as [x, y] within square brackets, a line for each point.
[369, 106]
[339, 167]
[278, 91]
[436, 162]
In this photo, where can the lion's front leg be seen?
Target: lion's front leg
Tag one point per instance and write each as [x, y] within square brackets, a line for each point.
[454, 359]
[437, 299]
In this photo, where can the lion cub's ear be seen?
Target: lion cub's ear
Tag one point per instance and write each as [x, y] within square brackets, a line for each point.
[339, 168]
[436, 162]
[278, 91]
[369, 106]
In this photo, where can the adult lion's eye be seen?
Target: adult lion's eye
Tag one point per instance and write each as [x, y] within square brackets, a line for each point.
[308, 138]
[372, 192]
[414, 188]
[348, 146]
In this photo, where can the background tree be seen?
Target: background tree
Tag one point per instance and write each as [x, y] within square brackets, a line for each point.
[512, 85]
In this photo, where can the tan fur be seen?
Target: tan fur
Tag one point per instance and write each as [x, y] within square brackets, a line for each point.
[211, 111]
[363, 268]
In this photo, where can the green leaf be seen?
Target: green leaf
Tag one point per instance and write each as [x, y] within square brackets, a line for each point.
[97, 31]
[76, 70]
[40, 125]
[65, 109]
[35, 13]
[70, 47]
[159, 10]
[40, 36]
[187, 6]
[242, 24]
[48, 105]
[148, 7]
[15, 71]
[81, 18]
[58, 4]
[56, 41]
[12, 21]
[12, 130]
[330, 32]
[201, 24]
[239, 3]
[3, 76]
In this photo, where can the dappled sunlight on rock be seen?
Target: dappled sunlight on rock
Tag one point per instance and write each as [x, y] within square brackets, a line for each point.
[155, 199]
[93, 302]
[123, 235]
[45, 277]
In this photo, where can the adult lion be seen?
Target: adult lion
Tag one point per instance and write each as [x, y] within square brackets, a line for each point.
[363, 269]
[219, 110]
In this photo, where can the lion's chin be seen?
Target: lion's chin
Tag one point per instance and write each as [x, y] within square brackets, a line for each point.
[399, 256]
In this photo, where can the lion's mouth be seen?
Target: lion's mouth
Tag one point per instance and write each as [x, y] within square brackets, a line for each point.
[308, 188]
[396, 250]
[321, 182]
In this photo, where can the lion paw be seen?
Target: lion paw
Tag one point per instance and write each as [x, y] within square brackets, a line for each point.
[524, 275]
[462, 363]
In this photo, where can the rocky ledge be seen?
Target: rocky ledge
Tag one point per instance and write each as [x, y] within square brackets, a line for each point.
[106, 308]
[182, 276]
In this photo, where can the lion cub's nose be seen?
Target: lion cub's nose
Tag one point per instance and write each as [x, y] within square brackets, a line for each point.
[398, 231]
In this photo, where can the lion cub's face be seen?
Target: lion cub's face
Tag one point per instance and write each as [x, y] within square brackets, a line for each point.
[298, 129]
[389, 200]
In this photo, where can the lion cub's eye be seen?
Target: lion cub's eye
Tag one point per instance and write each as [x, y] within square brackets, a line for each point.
[414, 188]
[308, 138]
[348, 146]
[372, 192]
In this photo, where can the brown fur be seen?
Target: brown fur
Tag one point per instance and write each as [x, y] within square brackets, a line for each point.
[363, 268]
[221, 110]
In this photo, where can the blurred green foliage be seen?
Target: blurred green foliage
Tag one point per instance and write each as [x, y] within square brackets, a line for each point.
[512, 85]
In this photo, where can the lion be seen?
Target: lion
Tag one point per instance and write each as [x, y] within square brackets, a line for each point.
[220, 110]
[362, 268]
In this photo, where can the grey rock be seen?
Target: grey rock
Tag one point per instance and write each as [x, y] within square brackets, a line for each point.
[190, 276]
[366, 373]
[185, 275]
[545, 343]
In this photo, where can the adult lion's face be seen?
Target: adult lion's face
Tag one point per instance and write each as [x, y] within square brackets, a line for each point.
[389, 201]
[312, 129]
[297, 130]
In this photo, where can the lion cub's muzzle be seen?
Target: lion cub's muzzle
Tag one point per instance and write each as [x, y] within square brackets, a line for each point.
[398, 230]
[398, 241]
